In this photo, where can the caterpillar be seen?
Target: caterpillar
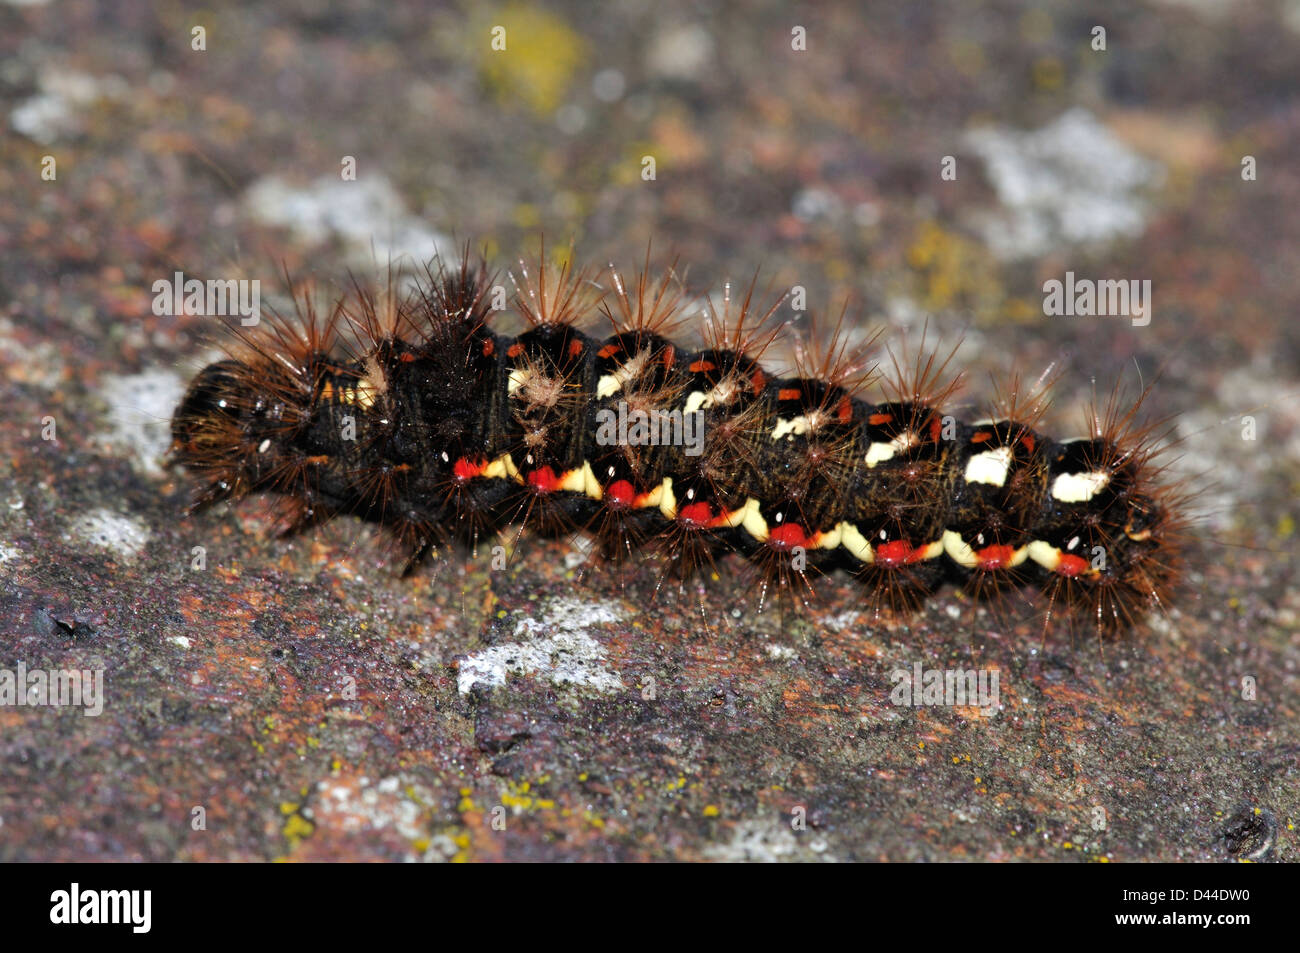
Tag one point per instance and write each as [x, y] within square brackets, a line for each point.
[407, 410]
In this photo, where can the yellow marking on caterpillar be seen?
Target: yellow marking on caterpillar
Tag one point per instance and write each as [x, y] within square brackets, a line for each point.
[828, 540]
[961, 552]
[582, 480]
[932, 550]
[851, 538]
[667, 502]
[502, 468]
[754, 523]
[1049, 557]
[958, 550]
[363, 395]
[733, 518]
[652, 499]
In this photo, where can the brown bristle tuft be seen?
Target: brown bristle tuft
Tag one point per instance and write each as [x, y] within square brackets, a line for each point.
[555, 296]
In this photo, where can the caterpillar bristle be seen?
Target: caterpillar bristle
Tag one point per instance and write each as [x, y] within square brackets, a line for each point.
[893, 594]
[406, 409]
[654, 309]
[925, 384]
[837, 360]
[739, 329]
[293, 515]
[456, 296]
[555, 295]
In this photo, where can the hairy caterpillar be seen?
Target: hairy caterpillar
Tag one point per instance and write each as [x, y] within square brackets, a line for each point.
[424, 420]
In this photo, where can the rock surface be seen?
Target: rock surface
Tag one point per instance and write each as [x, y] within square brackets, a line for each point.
[298, 699]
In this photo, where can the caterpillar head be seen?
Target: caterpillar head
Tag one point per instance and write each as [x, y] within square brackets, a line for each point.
[213, 397]
[222, 429]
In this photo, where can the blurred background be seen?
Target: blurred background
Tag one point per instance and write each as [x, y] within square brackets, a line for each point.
[932, 163]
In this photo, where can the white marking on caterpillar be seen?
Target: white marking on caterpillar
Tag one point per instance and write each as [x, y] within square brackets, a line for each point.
[798, 426]
[611, 384]
[722, 393]
[880, 452]
[795, 426]
[518, 378]
[1079, 487]
[989, 467]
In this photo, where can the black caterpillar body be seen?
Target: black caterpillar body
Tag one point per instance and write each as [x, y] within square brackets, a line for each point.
[434, 426]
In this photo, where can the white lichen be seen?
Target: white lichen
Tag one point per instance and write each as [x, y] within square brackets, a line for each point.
[556, 647]
[1071, 182]
[139, 416]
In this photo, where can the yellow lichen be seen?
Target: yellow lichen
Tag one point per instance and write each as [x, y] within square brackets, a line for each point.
[954, 271]
[540, 55]
[296, 828]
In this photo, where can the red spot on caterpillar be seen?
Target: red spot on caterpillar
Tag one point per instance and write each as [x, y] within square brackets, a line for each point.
[787, 536]
[608, 351]
[788, 393]
[702, 367]
[995, 557]
[1070, 565]
[670, 355]
[1027, 441]
[981, 437]
[464, 469]
[695, 515]
[758, 382]
[407, 357]
[317, 460]
[844, 413]
[936, 429]
[575, 348]
[543, 480]
[489, 347]
[877, 420]
[515, 350]
[898, 553]
[620, 494]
